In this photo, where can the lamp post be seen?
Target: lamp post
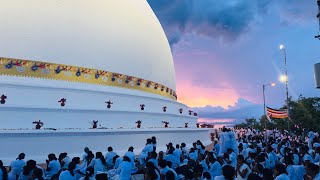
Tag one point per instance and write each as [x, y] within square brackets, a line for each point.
[318, 16]
[264, 106]
[285, 79]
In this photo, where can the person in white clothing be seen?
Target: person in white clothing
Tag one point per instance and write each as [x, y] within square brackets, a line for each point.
[151, 171]
[170, 157]
[184, 149]
[290, 169]
[228, 140]
[272, 161]
[117, 160]
[85, 154]
[99, 163]
[202, 162]
[153, 158]
[109, 156]
[3, 172]
[89, 174]
[215, 168]
[64, 160]
[27, 170]
[228, 172]
[312, 171]
[281, 173]
[232, 157]
[88, 159]
[37, 174]
[311, 136]
[193, 154]
[131, 155]
[124, 169]
[177, 153]
[16, 167]
[144, 153]
[69, 173]
[243, 169]
[53, 166]
[164, 170]
[154, 143]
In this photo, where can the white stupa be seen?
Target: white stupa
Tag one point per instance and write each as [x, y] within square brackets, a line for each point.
[86, 54]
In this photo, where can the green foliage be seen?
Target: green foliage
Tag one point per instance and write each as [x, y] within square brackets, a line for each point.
[304, 112]
[269, 124]
[250, 122]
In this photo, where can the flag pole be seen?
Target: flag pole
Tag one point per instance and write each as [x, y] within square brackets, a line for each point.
[264, 107]
[282, 47]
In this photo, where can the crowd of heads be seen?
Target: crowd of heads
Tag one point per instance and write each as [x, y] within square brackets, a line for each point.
[177, 162]
[271, 154]
[236, 154]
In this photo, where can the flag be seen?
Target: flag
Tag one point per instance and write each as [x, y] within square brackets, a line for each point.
[276, 113]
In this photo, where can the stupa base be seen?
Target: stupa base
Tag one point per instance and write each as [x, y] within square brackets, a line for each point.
[37, 144]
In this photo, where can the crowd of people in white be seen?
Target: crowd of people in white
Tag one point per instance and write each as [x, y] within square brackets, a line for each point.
[236, 154]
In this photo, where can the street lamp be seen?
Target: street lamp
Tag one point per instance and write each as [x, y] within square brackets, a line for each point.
[264, 105]
[318, 16]
[285, 79]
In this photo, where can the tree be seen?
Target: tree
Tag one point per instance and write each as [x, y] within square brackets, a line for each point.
[304, 113]
[270, 124]
[250, 122]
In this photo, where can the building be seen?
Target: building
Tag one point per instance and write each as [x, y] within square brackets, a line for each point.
[69, 63]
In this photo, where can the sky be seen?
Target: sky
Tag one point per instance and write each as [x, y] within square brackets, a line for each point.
[224, 51]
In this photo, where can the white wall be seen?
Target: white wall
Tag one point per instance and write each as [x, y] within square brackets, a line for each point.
[27, 103]
[38, 145]
[55, 118]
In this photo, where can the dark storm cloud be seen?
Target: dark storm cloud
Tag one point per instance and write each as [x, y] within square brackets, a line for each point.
[240, 110]
[225, 19]
[297, 11]
[213, 73]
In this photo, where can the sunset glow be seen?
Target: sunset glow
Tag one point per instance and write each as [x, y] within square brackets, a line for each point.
[216, 66]
[194, 96]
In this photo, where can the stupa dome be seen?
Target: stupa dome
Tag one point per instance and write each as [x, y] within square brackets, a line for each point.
[71, 63]
[117, 36]
[82, 72]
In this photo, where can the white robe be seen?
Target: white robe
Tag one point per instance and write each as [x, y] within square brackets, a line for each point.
[215, 169]
[310, 139]
[144, 153]
[54, 167]
[124, 170]
[16, 169]
[98, 166]
[228, 140]
[132, 156]
[66, 175]
[242, 168]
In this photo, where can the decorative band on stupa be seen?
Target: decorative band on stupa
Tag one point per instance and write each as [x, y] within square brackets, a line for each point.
[45, 70]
